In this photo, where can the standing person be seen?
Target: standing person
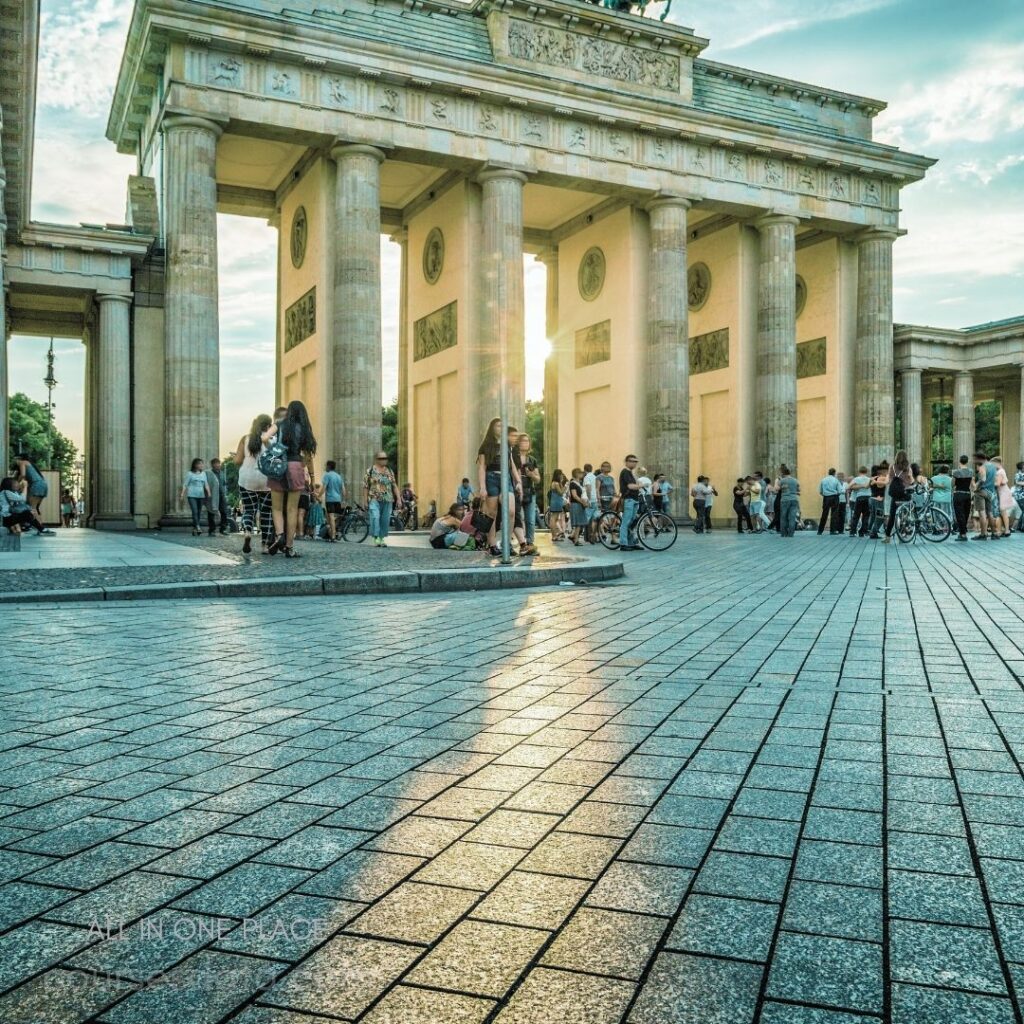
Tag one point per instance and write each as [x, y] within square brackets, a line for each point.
[196, 489]
[590, 496]
[556, 505]
[942, 490]
[305, 503]
[531, 478]
[605, 487]
[840, 514]
[380, 492]
[488, 465]
[740, 494]
[789, 501]
[409, 500]
[879, 484]
[629, 490]
[656, 495]
[316, 518]
[464, 495]
[295, 433]
[253, 488]
[516, 467]
[666, 495]
[217, 506]
[579, 510]
[859, 490]
[1018, 494]
[709, 501]
[1004, 501]
[67, 509]
[698, 492]
[334, 497]
[984, 494]
[36, 490]
[963, 478]
[829, 489]
[768, 495]
[900, 480]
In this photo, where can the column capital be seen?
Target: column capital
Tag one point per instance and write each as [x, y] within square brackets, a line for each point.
[548, 256]
[172, 120]
[401, 236]
[104, 297]
[772, 219]
[490, 173]
[876, 235]
[659, 201]
[342, 149]
[965, 373]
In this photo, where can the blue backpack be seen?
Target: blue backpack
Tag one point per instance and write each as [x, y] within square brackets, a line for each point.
[272, 461]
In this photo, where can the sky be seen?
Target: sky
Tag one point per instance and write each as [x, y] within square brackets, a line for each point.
[952, 74]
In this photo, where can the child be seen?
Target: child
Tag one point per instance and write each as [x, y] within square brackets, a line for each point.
[315, 518]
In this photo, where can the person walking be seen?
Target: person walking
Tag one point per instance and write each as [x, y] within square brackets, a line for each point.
[839, 518]
[877, 487]
[381, 494]
[942, 490]
[36, 490]
[900, 479]
[579, 509]
[698, 494]
[829, 489]
[217, 506]
[335, 496]
[295, 434]
[556, 505]
[253, 488]
[788, 489]
[756, 506]
[629, 490]
[984, 495]
[859, 492]
[593, 506]
[196, 489]
[740, 495]
[1004, 500]
[709, 501]
[963, 480]
[531, 478]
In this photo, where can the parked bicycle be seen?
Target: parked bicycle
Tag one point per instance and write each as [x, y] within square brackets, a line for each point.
[920, 518]
[355, 524]
[654, 530]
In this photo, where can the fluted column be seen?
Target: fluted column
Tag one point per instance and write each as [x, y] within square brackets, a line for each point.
[963, 415]
[5, 436]
[776, 343]
[873, 384]
[667, 443]
[1020, 427]
[500, 356]
[910, 385]
[402, 238]
[356, 361]
[113, 442]
[549, 257]
[191, 328]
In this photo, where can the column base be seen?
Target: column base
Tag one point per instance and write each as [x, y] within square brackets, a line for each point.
[174, 521]
[114, 523]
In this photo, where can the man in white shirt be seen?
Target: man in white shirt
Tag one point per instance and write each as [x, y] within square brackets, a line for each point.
[593, 503]
[829, 489]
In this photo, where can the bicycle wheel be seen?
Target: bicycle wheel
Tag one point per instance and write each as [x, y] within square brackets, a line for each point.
[936, 525]
[608, 529]
[905, 524]
[356, 529]
[656, 531]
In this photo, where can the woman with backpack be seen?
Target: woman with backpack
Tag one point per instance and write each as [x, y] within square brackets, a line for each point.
[253, 487]
[293, 443]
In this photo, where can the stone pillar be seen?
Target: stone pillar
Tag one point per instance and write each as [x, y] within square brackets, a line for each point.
[873, 383]
[191, 328]
[355, 326]
[402, 238]
[963, 415]
[910, 381]
[776, 344]
[501, 338]
[113, 443]
[5, 435]
[549, 257]
[1020, 427]
[667, 444]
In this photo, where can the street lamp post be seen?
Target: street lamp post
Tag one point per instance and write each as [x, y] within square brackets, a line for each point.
[51, 382]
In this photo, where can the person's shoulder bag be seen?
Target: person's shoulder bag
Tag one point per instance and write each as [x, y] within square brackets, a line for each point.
[272, 461]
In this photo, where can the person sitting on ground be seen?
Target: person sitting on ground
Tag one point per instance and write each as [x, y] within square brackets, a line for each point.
[467, 527]
[446, 531]
[15, 511]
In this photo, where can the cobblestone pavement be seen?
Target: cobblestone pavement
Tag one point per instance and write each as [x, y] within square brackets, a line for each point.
[758, 781]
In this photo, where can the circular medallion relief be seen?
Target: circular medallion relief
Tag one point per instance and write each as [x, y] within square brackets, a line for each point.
[698, 286]
[433, 255]
[801, 294]
[300, 234]
[591, 275]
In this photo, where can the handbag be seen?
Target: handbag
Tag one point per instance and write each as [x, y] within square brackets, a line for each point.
[272, 462]
[482, 522]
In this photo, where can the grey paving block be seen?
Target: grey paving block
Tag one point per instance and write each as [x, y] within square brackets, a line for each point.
[683, 989]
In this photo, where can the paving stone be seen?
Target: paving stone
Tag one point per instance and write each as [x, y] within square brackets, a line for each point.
[34, 946]
[513, 828]
[944, 955]
[789, 1013]
[470, 865]
[415, 913]
[684, 989]
[668, 845]
[841, 911]
[943, 899]
[569, 854]
[243, 890]
[743, 876]
[532, 900]
[122, 900]
[641, 888]
[569, 998]
[419, 836]
[755, 835]
[313, 847]
[363, 875]
[60, 997]
[843, 863]
[605, 942]
[208, 856]
[718, 926]
[407, 1005]
[912, 1004]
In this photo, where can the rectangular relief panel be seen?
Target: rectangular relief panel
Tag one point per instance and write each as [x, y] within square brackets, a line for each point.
[300, 320]
[435, 332]
[709, 351]
[593, 344]
[811, 358]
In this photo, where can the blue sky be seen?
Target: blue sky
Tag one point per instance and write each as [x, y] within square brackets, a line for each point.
[952, 74]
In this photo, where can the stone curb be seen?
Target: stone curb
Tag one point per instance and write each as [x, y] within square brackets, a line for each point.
[398, 581]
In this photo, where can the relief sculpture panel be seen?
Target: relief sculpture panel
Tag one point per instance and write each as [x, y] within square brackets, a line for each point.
[811, 358]
[300, 320]
[709, 351]
[593, 344]
[435, 332]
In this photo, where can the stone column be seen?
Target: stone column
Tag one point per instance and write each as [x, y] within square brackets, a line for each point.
[963, 415]
[402, 238]
[910, 381]
[113, 443]
[1020, 428]
[776, 344]
[191, 331]
[667, 444]
[873, 376]
[355, 326]
[5, 436]
[549, 257]
[501, 337]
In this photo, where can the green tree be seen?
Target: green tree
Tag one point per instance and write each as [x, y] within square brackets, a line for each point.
[389, 434]
[30, 432]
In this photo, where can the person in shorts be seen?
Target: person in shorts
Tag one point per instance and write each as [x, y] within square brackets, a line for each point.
[37, 489]
[334, 497]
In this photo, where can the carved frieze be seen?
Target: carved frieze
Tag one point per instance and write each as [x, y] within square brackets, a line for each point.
[591, 274]
[435, 332]
[709, 351]
[593, 344]
[811, 358]
[300, 320]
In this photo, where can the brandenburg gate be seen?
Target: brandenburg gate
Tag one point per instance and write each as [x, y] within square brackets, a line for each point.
[718, 242]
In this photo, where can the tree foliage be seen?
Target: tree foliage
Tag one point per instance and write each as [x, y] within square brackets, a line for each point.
[30, 432]
[987, 438]
[389, 434]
